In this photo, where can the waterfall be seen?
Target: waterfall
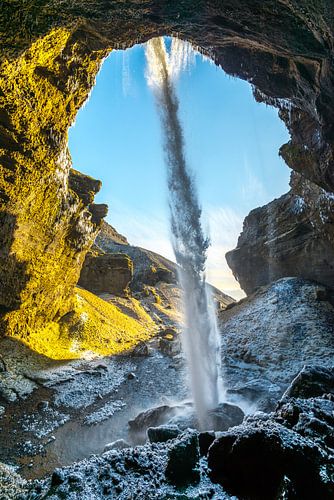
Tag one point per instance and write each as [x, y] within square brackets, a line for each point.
[200, 338]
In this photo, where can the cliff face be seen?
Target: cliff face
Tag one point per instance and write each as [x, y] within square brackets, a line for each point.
[50, 54]
[46, 224]
[291, 236]
[106, 273]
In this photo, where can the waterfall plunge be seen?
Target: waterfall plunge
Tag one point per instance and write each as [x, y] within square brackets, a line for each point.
[201, 341]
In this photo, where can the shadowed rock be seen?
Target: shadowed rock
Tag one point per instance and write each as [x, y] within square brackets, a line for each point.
[106, 273]
[312, 381]
[183, 457]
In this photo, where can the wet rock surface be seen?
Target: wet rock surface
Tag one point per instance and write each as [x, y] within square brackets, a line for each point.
[48, 404]
[182, 459]
[162, 433]
[287, 453]
[225, 416]
[312, 381]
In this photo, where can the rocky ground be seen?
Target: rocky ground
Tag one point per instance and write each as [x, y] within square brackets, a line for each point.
[269, 336]
[57, 413]
[287, 453]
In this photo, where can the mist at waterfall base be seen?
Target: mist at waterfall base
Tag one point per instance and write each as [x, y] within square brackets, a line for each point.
[200, 340]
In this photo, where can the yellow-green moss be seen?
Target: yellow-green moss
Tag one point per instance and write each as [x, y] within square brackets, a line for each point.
[93, 327]
[133, 308]
[40, 94]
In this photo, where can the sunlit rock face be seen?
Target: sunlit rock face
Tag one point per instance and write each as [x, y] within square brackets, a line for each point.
[291, 236]
[46, 225]
[50, 56]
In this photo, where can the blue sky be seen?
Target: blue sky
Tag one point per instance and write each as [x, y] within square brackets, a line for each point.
[232, 146]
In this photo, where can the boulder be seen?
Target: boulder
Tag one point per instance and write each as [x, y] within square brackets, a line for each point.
[170, 347]
[311, 381]
[119, 444]
[225, 416]
[153, 417]
[205, 440]
[106, 273]
[311, 418]
[162, 433]
[183, 458]
[186, 419]
[251, 461]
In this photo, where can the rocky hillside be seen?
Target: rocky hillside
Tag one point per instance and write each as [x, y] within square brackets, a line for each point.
[269, 336]
[107, 269]
[148, 267]
[88, 411]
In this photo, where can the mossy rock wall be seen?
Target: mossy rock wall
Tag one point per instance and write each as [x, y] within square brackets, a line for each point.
[46, 227]
[50, 54]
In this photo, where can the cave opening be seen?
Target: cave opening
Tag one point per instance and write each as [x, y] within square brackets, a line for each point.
[233, 142]
[101, 359]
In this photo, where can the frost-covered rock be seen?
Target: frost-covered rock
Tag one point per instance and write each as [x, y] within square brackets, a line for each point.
[268, 337]
[119, 444]
[225, 416]
[152, 417]
[183, 457]
[290, 451]
[254, 459]
[312, 381]
[162, 433]
[205, 440]
[290, 236]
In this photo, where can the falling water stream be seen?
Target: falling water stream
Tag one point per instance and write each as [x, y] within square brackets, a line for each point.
[200, 338]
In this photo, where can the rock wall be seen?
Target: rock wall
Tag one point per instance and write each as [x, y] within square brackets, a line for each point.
[106, 273]
[291, 236]
[46, 224]
[50, 54]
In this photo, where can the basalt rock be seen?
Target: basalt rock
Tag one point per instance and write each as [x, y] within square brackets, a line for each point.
[152, 418]
[291, 236]
[183, 457]
[106, 273]
[252, 461]
[162, 433]
[285, 454]
[225, 416]
[312, 381]
[279, 329]
[50, 54]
